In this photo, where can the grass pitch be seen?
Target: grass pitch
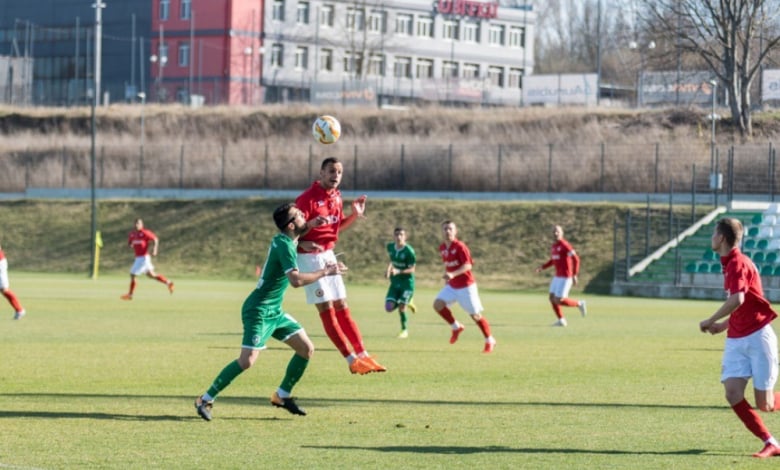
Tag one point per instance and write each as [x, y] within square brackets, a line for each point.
[90, 381]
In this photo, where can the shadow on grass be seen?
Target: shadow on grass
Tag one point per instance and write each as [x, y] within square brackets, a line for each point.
[113, 416]
[327, 402]
[462, 450]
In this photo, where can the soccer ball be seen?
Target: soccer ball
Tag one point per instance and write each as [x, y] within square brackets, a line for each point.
[326, 130]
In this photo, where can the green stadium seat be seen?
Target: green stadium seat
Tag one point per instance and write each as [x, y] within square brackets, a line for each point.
[715, 268]
[750, 244]
[752, 231]
[757, 219]
[776, 271]
[709, 255]
[771, 257]
[767, 270]
[762, 244]
[704, 267]
[691, 268]
[758, 257]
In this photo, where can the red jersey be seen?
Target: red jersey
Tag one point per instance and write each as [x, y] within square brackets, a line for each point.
[741, 275]
[2, 255]
[565, 259]
[139, 240]
[454, 257]
[317, 201]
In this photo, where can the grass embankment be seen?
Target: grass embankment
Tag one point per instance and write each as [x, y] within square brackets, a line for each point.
[227, 239]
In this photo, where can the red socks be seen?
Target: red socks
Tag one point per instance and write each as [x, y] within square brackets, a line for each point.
[569, 302]
[132, 286]
[557, 310]
[350, 329]
[446, 314]
[484, 326]
[162, 279]
[13, 300]
[334, 332]
[751, 420]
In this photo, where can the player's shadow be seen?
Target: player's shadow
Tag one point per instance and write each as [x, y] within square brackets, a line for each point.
[466, 450]
[115, 416]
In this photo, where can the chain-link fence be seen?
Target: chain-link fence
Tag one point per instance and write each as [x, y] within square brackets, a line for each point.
[488, 167]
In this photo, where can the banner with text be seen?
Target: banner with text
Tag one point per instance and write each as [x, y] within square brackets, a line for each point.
[560, 89]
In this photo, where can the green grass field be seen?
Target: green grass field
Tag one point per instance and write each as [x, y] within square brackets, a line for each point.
[90, 381]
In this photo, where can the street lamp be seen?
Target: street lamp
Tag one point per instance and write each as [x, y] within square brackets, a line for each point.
[142, 97]
[248, 53]
[163, 60]
[633, 45]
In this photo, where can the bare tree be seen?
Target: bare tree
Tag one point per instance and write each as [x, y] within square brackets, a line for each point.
[733, 37]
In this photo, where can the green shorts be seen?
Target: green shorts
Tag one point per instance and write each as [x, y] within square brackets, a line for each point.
[260, 323]
[401, 290]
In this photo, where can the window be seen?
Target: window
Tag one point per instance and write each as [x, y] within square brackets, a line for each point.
[186, 9]
[353, 62]
[184, 54]
[376, 65]
[403, 67]
[496, 76]
[425, 27]
[355, 19]
[516, 36]
[403, 24]
[277, 55]
[449, 69]
[470, 70]
[496, 35]
[165, 9]
[301, 58]
[424, 68]
[376, 21]
[326, 60]
[326, 16]
[515, 78]
[470, 31]
[277, 11]
[450, 30]
[302, 14]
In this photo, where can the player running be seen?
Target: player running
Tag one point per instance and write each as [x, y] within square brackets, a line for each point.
[139, 240]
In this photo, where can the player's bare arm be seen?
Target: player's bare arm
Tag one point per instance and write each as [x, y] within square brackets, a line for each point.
[711, 324]
[299, 279]
[461, 270]
[358, 211]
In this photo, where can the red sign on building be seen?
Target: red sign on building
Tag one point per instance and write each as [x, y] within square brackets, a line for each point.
[468, 8]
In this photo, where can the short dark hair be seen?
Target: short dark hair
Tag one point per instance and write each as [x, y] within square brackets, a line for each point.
[282, 215]
[731, 229]
[328, 161]
[399, 229]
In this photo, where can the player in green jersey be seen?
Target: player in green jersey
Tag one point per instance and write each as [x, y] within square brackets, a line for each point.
[400, 271]
[263, 317]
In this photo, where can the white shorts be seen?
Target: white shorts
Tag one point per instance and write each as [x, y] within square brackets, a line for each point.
[327, 288]
[753, 356]
[467, 297]
[560, 286]
[4, 284]
[142, 265]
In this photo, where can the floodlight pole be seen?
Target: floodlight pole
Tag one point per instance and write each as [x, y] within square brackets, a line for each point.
[98, 6]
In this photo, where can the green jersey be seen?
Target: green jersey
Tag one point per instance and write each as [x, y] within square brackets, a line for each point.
[273, 281]
[402, 259]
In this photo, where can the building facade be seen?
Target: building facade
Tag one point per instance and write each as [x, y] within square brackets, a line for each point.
[207, 49]
[396, 51]
[58, 38]
[271, 51]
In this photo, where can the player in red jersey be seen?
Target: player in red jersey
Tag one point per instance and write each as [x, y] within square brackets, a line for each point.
[19, 311]
[139, 240]
[567, 267]
[460, 286]
[315, 251]
[751, 343]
